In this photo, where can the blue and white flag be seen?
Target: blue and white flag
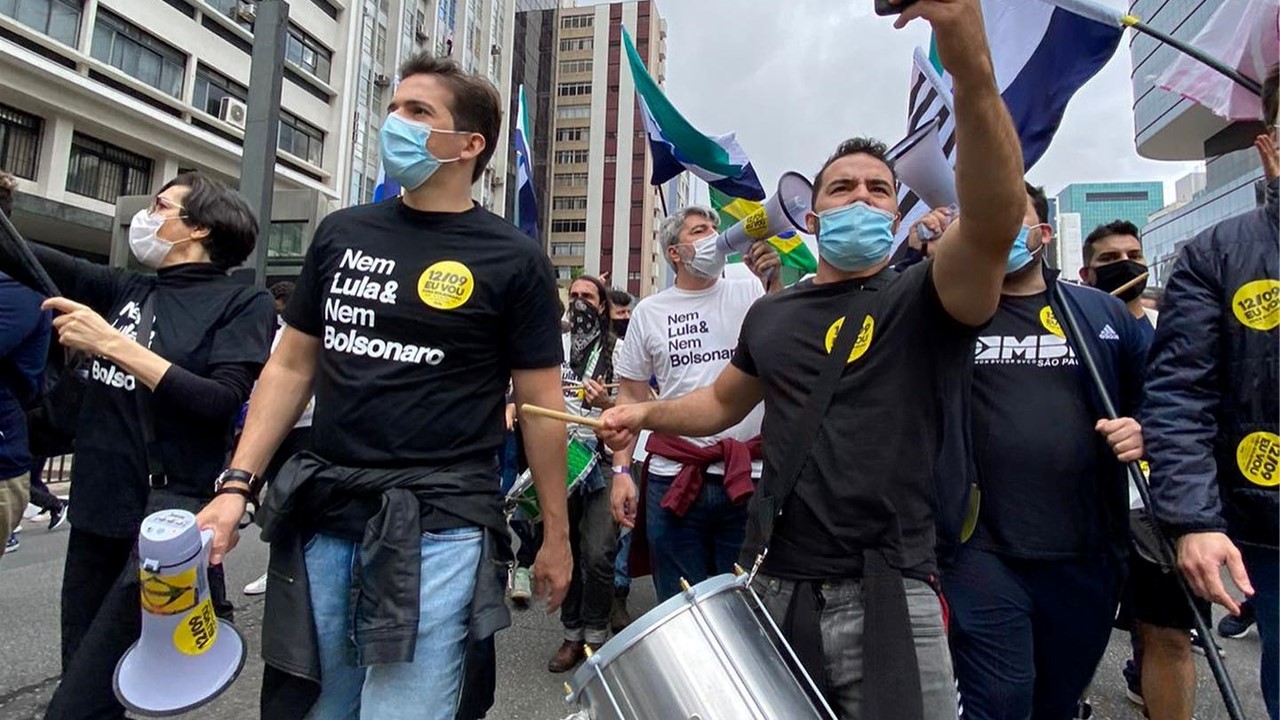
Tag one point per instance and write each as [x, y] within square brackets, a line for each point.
[526, 195]
[386, 187]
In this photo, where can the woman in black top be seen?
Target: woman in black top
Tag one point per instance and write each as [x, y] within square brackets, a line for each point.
[210, 335]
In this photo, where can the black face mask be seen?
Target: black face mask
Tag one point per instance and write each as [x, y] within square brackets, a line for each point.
[620, 327]
[1116, 274]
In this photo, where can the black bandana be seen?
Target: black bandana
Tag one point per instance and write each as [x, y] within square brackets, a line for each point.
[584, 336]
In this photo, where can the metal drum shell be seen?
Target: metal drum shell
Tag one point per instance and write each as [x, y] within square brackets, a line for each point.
[704, 654]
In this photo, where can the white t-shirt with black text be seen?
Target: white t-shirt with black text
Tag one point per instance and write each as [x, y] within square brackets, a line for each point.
[685, 338]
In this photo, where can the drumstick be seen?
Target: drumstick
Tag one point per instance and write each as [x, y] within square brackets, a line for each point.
[578, 386]
[563, 416]
[1130, 284]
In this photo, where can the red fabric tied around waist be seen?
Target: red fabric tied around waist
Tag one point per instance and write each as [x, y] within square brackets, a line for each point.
[735, 454]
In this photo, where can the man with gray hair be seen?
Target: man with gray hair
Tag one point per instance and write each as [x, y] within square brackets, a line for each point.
[697, 490]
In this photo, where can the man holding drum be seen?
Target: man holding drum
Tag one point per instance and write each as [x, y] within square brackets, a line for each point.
[851, 562]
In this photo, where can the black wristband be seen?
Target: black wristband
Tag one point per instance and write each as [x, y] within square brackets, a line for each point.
[234, 490]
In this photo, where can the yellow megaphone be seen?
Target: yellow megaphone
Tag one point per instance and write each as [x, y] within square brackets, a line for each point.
[782, 212]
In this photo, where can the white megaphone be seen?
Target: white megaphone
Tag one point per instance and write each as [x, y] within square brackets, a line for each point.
[923, 167]
[780, 213]
[186, 656]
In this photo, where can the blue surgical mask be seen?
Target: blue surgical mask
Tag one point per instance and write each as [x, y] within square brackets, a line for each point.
[855, 237]
[404, 151]
[1019, 255]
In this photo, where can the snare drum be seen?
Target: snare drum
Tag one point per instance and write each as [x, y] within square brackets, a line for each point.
[710, 653]
[581, 460]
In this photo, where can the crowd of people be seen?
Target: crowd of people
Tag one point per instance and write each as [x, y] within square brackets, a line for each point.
[915, 454]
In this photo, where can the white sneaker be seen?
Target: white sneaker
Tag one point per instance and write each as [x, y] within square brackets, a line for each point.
[257, 587]
[31, 512]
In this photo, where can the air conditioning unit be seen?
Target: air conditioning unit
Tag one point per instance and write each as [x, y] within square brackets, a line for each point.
[382, 80]
[420, 32]
[233, 111]
[245, 11]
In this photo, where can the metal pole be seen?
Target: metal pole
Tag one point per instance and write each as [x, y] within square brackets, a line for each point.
[1163, 546]
[1249, 84]
[262, 124]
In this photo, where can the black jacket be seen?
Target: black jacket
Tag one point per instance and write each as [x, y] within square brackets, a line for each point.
[1211, 417]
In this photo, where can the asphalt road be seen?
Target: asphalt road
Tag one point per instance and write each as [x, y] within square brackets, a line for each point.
[30, 578]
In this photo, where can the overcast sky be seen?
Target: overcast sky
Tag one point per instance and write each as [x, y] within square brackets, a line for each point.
[795, 77]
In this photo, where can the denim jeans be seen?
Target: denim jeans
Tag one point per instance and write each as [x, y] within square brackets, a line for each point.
[703, 543]
[841, 625]
[621, 569]
[428, 687]
[593, 539]
[1263, 566]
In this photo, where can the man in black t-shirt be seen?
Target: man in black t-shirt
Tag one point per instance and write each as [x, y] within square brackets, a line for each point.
[410, 316]
[1034, 590]
[855, 539]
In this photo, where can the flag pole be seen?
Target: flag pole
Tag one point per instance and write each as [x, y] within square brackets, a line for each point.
[1136, 23]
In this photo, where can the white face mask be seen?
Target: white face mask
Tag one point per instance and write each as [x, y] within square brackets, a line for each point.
[707, 261]
[143, 241]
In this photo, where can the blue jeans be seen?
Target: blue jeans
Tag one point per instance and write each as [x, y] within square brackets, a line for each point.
[428, 687]
[703, 543]
[621, 571]
[1026, 635]
[1263, 566]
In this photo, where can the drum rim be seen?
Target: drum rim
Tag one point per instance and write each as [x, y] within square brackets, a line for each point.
[634, 632]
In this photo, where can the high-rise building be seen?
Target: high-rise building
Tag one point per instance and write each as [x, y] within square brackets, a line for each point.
[1100, 203]
[1054, 253]
[1070, 244]
[476, 33]
[1170, 127]
[600, 212]
[533, 67]
[102, 99]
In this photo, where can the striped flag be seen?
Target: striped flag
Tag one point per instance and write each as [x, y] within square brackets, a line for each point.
[928, 102]
[526, 196]
[678, 146]
[1244, 35]
[792, 251]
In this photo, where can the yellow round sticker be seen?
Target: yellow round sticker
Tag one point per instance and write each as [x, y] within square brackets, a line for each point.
[197, 631]
[861, 344]
[446, 285]
[1050, 322]
[1258, 456]
[756, 226]
[1257, 304]
[168, 594]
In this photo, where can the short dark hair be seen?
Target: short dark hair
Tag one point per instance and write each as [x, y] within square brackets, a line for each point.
[854, 146]
[1115, 227]
[1039, 200]
[1271, 96]
[8, 184]
[282, 290]
[619, 298]
[476, 107]
[233, 228]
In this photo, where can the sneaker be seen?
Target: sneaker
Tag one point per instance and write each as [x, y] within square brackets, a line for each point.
[1197, 645]
[1084, 710]
[257, 587]
[1133, 687]
[12, 543]
[17, 529]
[1237, 627]
[521, 591]
[57, 517]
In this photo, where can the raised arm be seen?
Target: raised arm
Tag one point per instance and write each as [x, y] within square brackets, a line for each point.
[969, 264]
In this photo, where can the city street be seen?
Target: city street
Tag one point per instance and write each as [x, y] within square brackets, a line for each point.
[30, 579]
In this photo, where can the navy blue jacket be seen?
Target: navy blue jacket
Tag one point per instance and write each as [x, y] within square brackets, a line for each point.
[24, 344]
[1211, 417]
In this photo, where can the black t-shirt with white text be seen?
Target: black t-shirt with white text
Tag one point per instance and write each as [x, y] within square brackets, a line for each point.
[1034, 443]
[868, 482]
[422, 318]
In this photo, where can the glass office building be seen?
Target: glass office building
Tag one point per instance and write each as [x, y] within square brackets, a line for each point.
[1101, 203]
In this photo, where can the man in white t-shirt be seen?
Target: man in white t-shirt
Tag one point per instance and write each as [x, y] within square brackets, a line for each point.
[697, 489]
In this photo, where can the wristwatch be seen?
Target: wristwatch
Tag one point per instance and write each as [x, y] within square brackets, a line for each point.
[621, 469]
[254, 482]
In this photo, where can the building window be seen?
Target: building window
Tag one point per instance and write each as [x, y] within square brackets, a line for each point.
[578, 134]
[569, 22]
[569, 203]
[301, 138]
[105, 172]
[577, 44]
[212, 86]
[19, 141]
[633, 276]
[573, 89]
[307, 52]
[568, 249]
[568, 67]
[569, 226]
[1117, 196]
[284, 240]
[570, 157]
[137, 54]
[59, 19]
[573, 112]
[571, 179]
[566, 272]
